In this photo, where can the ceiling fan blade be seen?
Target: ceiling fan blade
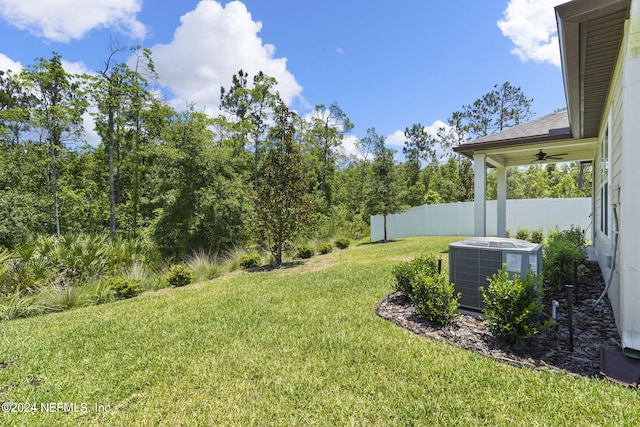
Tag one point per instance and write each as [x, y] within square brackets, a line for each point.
[557, 156]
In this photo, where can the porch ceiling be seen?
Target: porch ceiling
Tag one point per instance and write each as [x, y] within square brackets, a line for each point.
[567, 150]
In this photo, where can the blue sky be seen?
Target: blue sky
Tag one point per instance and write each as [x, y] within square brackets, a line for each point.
[387, 64]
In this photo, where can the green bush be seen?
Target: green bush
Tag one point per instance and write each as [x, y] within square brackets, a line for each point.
[513, 306]
[537, 236]
[305, 251]
[435, 298]
[20, 305]
[558, 256]
[573, 234]
[122, 288]
[179, 275]
[522, 234]
[101, 294]
[342, 243]
[405, 272]
[251, 260]
[325, 247]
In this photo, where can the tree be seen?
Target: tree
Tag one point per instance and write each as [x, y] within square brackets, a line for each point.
[418, 146]
[252, 108]
[201, 199]
[15, 105]
[328, 128]
[454, 134]
[282, 207]
[502, 107]
[119, 94]
[56, 112]
[365, 147]
[384, 195]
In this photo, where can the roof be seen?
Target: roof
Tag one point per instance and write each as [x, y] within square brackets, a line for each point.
[554, 125]
[518, 145]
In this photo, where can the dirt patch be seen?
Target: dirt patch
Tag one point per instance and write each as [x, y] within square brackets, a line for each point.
[549, 351]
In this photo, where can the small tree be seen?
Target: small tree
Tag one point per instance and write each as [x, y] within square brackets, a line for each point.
[282, 207]
[384, 197]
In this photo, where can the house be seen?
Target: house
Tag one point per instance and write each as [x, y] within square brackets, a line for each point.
[600, 51]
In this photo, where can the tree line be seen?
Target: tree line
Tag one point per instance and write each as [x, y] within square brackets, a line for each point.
[256, 172]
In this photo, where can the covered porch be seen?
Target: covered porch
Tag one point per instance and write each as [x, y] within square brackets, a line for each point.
[547, 139]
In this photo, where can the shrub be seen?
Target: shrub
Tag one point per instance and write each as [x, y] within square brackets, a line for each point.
[406, 271]
[537, 236]
[573, 234]
[325, 248]
[122, 288]
[435, 298]
[179, 275]
[101, 294]
[342, 243]
[63, 298]
[251, 260]
[513, 306]
[305, 251]
[522, 234]
[558, 256]
[22, 304]
[204, 266]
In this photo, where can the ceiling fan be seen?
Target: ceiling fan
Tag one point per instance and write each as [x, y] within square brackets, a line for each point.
[541, 156]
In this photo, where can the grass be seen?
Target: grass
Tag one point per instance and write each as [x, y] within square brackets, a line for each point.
[295, 346]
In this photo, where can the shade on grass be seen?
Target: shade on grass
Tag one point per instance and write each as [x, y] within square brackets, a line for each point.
[297, 346]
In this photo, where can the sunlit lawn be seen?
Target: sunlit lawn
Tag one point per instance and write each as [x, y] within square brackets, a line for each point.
[292, 347]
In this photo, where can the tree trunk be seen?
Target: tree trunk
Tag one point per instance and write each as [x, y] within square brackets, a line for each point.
[136, 177]
[112, 184]
[54, 185]
[385, 227]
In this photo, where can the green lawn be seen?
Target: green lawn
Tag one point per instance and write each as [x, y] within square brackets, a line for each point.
[297, 346]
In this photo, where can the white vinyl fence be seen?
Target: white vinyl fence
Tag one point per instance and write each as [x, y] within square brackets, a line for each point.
[456, 219]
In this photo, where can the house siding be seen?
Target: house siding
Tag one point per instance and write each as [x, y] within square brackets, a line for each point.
[629, 199]
[612, 126]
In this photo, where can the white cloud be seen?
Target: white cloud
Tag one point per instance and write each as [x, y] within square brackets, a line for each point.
[349, 148]
[531, 26]
[76, 68]
[211, 44]
[396, 140]
[7, 63]
[64, 20]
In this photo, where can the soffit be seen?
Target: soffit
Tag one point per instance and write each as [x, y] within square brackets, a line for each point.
[591, 34]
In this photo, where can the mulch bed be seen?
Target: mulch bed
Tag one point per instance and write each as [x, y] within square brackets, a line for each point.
[549, 350]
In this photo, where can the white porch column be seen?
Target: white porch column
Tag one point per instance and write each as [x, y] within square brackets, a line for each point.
[480, 194]
[501, 178]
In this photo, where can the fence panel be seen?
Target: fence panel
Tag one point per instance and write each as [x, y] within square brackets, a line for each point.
[456, 219]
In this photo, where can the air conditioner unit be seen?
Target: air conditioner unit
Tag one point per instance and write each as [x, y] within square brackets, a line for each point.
[473, 260]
